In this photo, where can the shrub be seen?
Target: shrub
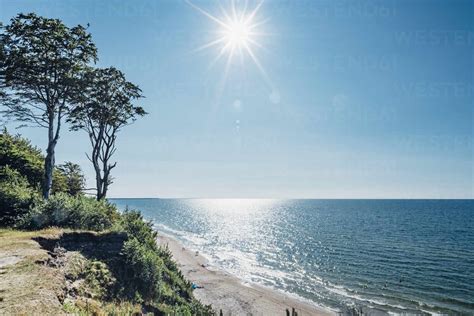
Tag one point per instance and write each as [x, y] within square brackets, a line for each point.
[99, 278]
[79, 212]
[145, 268]
[151, 271]
[19, 154]
[17, 198]
[135, 226]
[71, 178]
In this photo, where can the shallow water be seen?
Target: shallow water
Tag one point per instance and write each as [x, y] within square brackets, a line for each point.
[399, 256]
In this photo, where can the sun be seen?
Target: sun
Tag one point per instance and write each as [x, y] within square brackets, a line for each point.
[237, 32]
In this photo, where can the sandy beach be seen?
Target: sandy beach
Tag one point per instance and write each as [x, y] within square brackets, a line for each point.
[229, 293]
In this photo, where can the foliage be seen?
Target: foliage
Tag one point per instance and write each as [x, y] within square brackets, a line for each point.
[133, 223]
[42, 61]
[152, 272]
[44, 79]
[79, 212]
[21, 174]
[74, 179]
[79, 307]
[16, 196]
[145, 267]
[103, 107]
[18, 153]
[59, 182]
[99, 278]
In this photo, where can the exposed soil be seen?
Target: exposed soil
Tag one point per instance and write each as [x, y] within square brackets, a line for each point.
[27, 286]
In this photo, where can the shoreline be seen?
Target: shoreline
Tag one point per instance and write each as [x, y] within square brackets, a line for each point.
[227, 292]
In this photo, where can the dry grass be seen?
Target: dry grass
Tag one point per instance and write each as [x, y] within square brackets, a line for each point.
[30, 287]
[26, 287]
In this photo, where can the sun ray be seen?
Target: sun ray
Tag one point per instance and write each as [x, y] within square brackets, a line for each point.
[255, 43]
[221, 53]
[238, 27]
[259, 23]
[239, 35]
[210, 44]
[244, 10]
[213, 18]
[254, 12]
[234, 12]
[259, 65]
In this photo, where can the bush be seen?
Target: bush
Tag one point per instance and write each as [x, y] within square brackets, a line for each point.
[69, 179]
[151, 271]
[20, 155]
[98, 278]
[145, 267]
[17, 198]
[79, 212]
[135, 226]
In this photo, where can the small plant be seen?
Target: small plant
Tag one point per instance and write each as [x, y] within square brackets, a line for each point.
[99, 278]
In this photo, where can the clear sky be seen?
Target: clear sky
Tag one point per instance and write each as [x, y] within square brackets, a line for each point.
[363, 99]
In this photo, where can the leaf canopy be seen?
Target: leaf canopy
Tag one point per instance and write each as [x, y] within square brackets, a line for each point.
[41, 62]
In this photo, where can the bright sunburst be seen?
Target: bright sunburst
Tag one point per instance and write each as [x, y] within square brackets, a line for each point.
[238, 32]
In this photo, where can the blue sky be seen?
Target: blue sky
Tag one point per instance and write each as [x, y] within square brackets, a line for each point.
[364, 99]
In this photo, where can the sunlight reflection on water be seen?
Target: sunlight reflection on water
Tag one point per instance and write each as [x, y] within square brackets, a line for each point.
[400, 256]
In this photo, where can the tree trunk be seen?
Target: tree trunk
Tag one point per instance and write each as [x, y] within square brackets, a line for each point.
[49, 163]
[98, 178]
[102, 185]
[103, 192]
[105, 182]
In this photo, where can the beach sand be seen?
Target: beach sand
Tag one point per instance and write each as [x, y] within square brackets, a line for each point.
[229, 293]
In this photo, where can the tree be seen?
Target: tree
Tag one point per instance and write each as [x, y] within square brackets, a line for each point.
[19, 154]
[75, 180]
[41, 63]
[103, 107]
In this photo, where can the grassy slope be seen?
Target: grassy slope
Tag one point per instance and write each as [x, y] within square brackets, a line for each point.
[26, 286]
[31, 286]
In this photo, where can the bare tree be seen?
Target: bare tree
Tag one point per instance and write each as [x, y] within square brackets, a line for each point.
[41, 62]
[104, 107]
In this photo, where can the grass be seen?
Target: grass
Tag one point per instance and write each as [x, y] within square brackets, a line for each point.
[81, 279]
[27, 287]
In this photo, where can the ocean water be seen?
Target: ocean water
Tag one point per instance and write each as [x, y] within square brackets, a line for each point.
[383, 256]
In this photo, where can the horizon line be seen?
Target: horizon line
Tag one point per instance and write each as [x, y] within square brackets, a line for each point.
[288, 198]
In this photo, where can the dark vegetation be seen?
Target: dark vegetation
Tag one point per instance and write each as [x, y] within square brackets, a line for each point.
[42, 63]
[125, 262]
[46, 80]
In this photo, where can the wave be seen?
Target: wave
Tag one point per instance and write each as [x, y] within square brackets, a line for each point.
[373, 254]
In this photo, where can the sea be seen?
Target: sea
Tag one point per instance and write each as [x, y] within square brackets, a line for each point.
[349, 256]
